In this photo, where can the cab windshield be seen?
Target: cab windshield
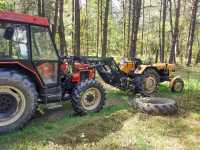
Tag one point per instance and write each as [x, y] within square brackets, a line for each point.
[42, 45]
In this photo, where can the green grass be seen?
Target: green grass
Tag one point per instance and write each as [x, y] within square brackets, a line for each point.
[118, 126]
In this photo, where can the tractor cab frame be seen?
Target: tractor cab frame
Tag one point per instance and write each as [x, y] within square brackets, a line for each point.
[27, 45]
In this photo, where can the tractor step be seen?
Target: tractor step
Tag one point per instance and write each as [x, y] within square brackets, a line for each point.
[54, 105]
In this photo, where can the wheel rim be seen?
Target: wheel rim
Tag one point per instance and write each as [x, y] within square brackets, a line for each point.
[91, 99]
[12, 105]
[150, 84]
[178, 86]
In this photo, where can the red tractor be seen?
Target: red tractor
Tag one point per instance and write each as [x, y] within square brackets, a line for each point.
[32, 72]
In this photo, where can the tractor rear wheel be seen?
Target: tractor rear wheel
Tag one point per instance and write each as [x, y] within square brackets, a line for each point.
[89, 96]
[18, 99]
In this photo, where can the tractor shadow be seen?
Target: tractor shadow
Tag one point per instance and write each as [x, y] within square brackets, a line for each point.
[92, 129]
[63, 127]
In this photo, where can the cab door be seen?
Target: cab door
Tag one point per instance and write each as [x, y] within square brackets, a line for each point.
[44, 55]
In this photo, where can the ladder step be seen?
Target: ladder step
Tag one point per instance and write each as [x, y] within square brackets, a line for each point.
[54, 105]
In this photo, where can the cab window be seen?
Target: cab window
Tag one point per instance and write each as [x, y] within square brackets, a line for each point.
[42, 45]
[13, 41]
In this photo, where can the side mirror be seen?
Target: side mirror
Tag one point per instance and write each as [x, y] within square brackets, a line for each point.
[9, 32]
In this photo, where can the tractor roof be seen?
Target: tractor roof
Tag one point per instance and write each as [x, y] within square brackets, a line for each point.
[23, 18]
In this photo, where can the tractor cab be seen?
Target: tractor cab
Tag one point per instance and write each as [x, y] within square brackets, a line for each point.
[32, 46]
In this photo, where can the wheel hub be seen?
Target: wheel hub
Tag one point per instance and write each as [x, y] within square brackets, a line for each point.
[12, 104]
[91, 98]
[8, 104]
[150, 84]
[178, 86]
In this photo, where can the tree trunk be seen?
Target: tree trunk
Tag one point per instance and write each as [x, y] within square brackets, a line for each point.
[63, 46]
[105, 29]
[124, 26]
[97, 40]
[87, 25]
[163, 30]
[198, 54]
[77, 27]
[101, 21]
[39, 3]
[129, 24]
[143, 17]
[135, 26]
[43, 14]
[55, 25]
[172, 58]
[193, 26]
[73, 47]
[160, 34]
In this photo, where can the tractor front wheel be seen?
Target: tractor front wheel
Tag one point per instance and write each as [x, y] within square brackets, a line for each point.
[152, 73]
[177, 85]
[89, 96]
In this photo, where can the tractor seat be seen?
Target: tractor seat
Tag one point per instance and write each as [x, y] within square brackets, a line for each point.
[137, 62]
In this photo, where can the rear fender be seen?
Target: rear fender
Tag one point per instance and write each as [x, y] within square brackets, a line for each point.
[27, 70]
[140, 69]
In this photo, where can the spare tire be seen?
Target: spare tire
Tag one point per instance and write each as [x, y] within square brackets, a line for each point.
[156, 105]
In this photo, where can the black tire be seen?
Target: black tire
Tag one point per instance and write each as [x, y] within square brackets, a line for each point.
[26, 93]
[152, 72]
[180, 83]
[156, 105]
[78, 94]
[139, 82]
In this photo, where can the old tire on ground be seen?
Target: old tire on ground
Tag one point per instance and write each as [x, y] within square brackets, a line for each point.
[18, 99]
[156, 105]
[88, 96]
[177, 85]
[150, 72]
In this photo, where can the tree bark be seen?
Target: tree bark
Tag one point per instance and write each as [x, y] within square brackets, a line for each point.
[73, 47]
[175, 31]
[105, 30]
[39, 5]
[77, 27]
[129, 24]
[87, 24]
[55, 25]
[198, 54]
[63, 45]
[164, 13]
[160, 34]
[135, 26]
[97, 40]
[143, 17]
[43, 13]
[124, 25]
[193, 26]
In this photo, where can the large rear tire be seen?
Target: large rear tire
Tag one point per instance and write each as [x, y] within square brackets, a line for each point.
[89, 96]
[18, 99]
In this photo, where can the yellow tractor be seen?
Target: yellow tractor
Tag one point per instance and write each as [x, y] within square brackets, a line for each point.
[154, 74]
